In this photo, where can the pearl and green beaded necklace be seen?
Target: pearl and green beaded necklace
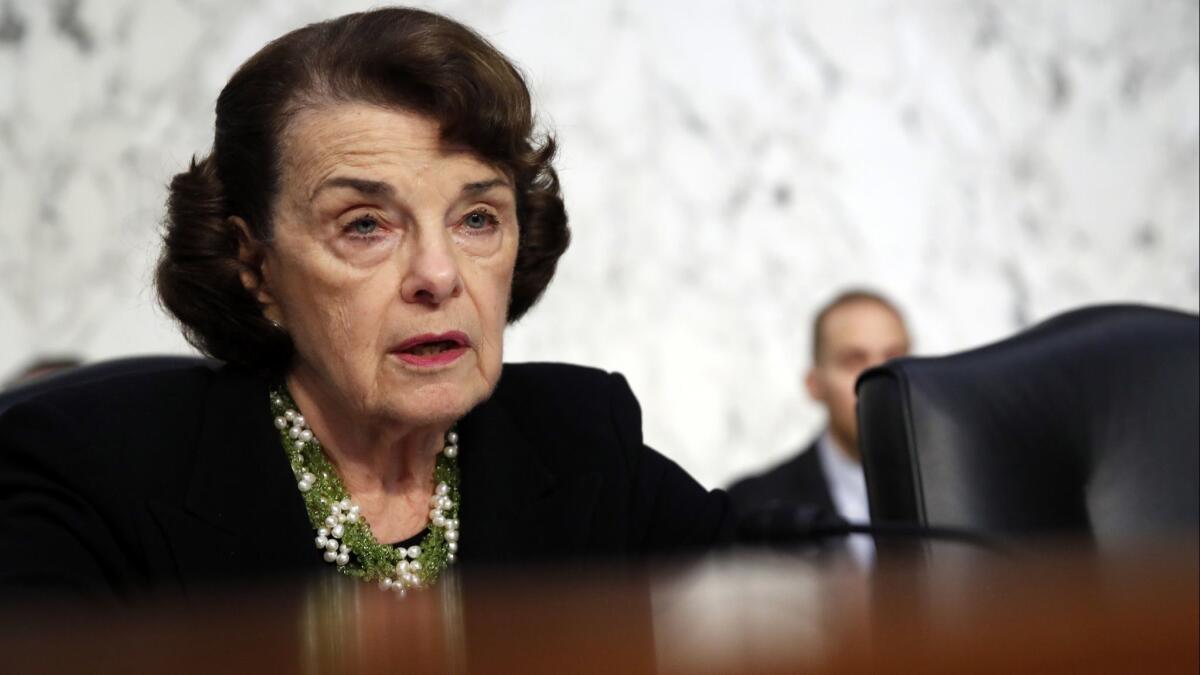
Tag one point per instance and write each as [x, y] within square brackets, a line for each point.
[343, 535]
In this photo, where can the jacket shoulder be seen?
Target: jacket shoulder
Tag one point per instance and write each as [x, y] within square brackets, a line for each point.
[103, 396]
[567, 393]
[551, 377]
[128, 428]
[796, 479]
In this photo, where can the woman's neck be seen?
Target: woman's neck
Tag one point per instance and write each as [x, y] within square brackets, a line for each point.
[387, 467]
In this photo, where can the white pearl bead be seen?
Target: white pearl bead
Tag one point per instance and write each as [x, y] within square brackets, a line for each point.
[401, 592]
[330, 537]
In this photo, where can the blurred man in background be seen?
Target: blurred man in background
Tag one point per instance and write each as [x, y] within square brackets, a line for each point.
[855, 331]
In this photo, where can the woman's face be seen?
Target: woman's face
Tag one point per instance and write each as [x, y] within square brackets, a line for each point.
[391, 264]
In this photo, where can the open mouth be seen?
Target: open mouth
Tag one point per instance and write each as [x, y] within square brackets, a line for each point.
[427, 348]
[432, 350]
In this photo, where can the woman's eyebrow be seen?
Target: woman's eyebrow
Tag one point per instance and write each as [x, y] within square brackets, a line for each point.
[370, 188]
[479, 187]
[374, 188]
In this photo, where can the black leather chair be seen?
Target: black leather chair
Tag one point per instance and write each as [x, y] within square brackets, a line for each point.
[96, 371]
[1086, 424]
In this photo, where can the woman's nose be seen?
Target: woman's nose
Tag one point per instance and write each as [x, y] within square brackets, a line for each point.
[432, 276]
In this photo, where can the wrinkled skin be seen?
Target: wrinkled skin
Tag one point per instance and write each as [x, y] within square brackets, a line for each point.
[383, 233]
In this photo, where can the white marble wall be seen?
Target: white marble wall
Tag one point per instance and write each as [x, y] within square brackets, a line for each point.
[728, 166]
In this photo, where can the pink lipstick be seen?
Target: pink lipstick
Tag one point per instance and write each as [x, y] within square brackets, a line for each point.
[430, 350]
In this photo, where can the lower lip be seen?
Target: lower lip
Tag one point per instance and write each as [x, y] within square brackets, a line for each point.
[431, 360]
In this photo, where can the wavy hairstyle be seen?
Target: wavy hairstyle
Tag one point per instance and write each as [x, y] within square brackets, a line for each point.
[405, 59]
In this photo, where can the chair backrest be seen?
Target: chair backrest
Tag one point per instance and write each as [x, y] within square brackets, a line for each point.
[96, 371]
[1084, 424]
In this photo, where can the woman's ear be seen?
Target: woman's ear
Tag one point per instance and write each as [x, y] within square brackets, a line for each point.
[253, 259]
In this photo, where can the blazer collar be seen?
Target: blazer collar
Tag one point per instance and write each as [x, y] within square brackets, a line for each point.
[243, 496]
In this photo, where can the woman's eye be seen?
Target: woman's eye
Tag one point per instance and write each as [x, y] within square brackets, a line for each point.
[478, 220]
[363, 226]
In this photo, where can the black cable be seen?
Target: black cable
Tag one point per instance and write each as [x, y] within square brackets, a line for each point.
[791, 524]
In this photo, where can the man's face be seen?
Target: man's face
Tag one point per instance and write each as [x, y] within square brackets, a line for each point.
[855, 336]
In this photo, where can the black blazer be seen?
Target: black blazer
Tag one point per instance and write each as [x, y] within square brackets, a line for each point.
[799, 480]
[176, 479]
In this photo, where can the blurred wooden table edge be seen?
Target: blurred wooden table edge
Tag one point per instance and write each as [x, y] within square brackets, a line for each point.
[1055, 610]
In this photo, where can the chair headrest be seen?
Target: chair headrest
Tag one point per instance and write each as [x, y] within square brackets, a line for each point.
[1085, 422]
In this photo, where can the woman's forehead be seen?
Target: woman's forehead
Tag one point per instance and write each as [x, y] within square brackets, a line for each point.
[372, 143]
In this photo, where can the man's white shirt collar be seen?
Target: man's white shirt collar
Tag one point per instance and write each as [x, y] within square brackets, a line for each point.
[848, 490]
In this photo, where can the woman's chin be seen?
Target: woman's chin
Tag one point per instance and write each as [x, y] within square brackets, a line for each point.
[434, 404]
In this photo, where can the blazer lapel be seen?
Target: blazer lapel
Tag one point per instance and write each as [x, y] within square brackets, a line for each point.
[243, 515]
[513, 506]
[809, 479]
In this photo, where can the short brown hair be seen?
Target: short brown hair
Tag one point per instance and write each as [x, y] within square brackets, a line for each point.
[401, 58]
[847, 297]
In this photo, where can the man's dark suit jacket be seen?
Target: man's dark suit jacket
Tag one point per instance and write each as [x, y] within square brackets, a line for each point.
[176, 479]
[799, 480]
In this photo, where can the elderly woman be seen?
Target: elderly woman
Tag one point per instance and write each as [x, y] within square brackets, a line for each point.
[374, 212]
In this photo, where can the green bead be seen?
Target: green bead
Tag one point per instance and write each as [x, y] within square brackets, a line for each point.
[369, 560]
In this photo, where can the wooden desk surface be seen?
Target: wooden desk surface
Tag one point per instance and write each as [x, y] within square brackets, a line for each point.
[1057, 611]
